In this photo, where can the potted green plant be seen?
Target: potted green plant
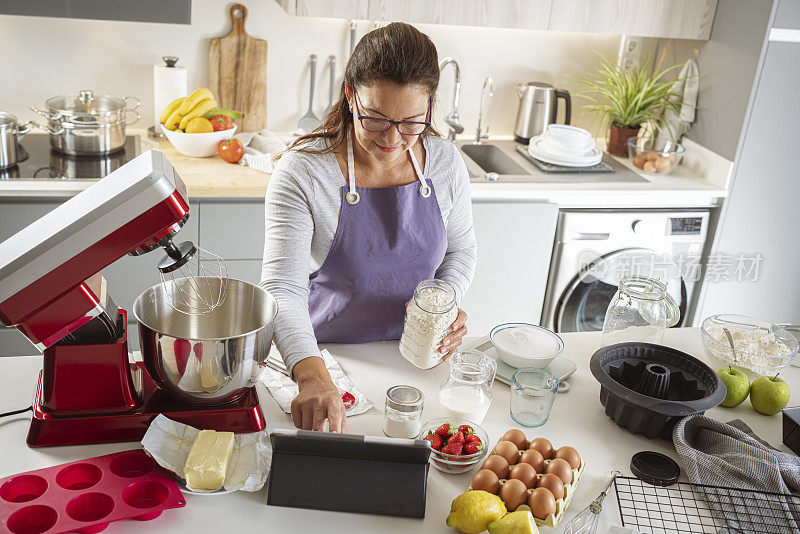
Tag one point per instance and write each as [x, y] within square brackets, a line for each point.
[623, 101]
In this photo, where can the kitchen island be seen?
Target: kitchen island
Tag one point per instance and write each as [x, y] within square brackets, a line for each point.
[577, 420]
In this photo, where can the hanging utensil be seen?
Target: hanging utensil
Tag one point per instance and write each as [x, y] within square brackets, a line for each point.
[309, 122]
[331, 89]
[586, 520]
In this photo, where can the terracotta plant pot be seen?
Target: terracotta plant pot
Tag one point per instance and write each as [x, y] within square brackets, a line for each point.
[618, 140]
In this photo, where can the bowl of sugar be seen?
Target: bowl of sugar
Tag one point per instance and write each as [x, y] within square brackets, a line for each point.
[526, 345]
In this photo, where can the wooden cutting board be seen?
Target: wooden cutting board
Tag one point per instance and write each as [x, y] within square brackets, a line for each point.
[237, 72]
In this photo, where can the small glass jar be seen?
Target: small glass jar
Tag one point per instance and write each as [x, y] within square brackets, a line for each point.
[402, 416]
[429, 315]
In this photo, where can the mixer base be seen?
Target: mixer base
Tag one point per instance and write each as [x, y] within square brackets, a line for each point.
[51, 429]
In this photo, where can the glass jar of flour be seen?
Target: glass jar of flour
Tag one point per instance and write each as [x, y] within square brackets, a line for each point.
[429, 315]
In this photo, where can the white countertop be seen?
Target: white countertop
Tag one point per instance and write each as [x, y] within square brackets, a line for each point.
[699, 181]
[577, 419]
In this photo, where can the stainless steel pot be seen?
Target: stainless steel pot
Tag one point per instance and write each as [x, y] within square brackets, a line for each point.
[85, 124]
[211, 358]
[10, 134]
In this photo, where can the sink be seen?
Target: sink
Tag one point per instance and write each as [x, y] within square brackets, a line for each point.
[499, 161]
[493, 159]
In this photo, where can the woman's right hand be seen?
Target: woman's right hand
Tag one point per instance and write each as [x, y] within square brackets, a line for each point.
[319, 399]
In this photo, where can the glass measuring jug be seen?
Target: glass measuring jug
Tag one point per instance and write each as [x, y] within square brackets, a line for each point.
[641, 310]
[467, 391]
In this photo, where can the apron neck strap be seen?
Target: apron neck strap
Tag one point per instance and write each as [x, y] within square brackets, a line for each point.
[352, 195]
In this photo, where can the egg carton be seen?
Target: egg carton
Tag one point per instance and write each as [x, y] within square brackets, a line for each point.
[551, 520]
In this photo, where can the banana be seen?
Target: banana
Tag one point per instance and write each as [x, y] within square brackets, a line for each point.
[172, 121]
[172, 106]
[202, 107]
[193, 99]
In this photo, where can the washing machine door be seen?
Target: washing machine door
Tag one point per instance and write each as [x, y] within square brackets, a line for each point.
[582, 305]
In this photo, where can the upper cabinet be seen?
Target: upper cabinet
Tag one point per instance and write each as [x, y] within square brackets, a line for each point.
[676, 19]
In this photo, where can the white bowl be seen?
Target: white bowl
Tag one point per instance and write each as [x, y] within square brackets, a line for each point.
[198, 145]
[539, 350]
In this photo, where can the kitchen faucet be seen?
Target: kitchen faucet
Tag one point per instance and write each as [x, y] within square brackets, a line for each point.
[452, 120]
[486, 92]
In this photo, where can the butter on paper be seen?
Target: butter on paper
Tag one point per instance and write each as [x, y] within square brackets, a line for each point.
[169, 442]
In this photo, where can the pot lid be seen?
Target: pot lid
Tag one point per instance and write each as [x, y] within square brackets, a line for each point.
[86, 101]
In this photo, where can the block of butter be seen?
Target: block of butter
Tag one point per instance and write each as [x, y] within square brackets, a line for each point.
[208, 460]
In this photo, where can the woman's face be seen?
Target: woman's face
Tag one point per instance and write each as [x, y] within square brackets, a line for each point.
[387, 100]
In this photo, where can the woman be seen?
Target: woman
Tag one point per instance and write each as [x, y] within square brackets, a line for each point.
[371, 203]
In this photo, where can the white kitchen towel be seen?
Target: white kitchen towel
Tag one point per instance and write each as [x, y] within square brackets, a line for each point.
[284, 389]
[675, 124]
[260, 149]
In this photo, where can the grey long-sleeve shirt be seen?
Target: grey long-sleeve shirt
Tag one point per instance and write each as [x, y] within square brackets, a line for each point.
[303, 202]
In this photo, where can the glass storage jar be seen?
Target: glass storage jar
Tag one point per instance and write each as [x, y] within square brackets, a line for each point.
[641, 310]
[402, 415]
[428, 317]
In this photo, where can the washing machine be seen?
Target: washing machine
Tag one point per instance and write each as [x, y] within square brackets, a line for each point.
[594, 249]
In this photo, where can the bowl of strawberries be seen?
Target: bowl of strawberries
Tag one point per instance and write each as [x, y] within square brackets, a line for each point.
[457, 445]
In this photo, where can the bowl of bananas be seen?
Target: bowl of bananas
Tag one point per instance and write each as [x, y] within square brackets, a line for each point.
[195, 125]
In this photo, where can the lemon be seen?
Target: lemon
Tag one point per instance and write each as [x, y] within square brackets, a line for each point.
[199, 125]
[519, 522]
[471, 512]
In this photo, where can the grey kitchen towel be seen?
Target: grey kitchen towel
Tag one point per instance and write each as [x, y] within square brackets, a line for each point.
[686, 89]
[717, 454]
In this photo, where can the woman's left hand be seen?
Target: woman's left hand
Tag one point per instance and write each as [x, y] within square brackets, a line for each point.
[458, 329]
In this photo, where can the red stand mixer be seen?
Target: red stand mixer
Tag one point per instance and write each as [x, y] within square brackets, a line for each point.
[203, 336]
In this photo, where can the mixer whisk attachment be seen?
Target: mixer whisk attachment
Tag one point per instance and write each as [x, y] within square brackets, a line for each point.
[203, 278]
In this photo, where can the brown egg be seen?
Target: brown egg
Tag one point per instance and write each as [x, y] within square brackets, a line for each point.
[497, 464]
[513, 493]
[517, 437]
[672, 158]
[534, 458]
[524, 473]
[542, 503]
[561, 469]
[570, 455]
[651, 156]
[507, 450]
[639, 161]
[544, 447]
[663, 164]
[649, 166]
[486, 480]
[553, 483]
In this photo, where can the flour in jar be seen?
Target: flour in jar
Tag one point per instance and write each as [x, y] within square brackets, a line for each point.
[429, 315]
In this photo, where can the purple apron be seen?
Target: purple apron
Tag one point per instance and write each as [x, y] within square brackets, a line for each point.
[387, 241]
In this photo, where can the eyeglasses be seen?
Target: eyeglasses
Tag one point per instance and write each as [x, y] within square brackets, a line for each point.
[375, 124]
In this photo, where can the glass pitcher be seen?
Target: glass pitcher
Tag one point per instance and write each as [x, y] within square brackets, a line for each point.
[641, 310]
[467, 391]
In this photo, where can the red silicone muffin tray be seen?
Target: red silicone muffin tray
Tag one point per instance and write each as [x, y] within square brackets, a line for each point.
[85, 496]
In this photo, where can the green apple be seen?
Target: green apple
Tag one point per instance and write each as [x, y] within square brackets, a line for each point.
[738, 386]
[769, 394]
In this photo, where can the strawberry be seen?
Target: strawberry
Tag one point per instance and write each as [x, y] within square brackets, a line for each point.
[473, 438]
[458, 437]
[466, 429]
[453, 448]
[445, 430]
[473, 447]
[435, 440]
[348, 399]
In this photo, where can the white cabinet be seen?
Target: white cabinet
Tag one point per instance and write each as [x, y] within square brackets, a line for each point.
[672, 19]
[515, 242]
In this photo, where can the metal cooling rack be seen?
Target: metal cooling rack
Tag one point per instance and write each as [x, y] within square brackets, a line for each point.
[698, 508]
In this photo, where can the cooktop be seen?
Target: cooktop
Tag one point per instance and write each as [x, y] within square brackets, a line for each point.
[40, 162]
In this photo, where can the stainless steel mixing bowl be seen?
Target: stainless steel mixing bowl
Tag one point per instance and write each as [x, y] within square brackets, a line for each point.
[206, 359]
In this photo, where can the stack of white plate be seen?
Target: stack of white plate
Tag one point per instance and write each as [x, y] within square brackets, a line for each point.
[565, 145]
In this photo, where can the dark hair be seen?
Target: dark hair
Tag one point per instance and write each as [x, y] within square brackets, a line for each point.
[397, 53]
